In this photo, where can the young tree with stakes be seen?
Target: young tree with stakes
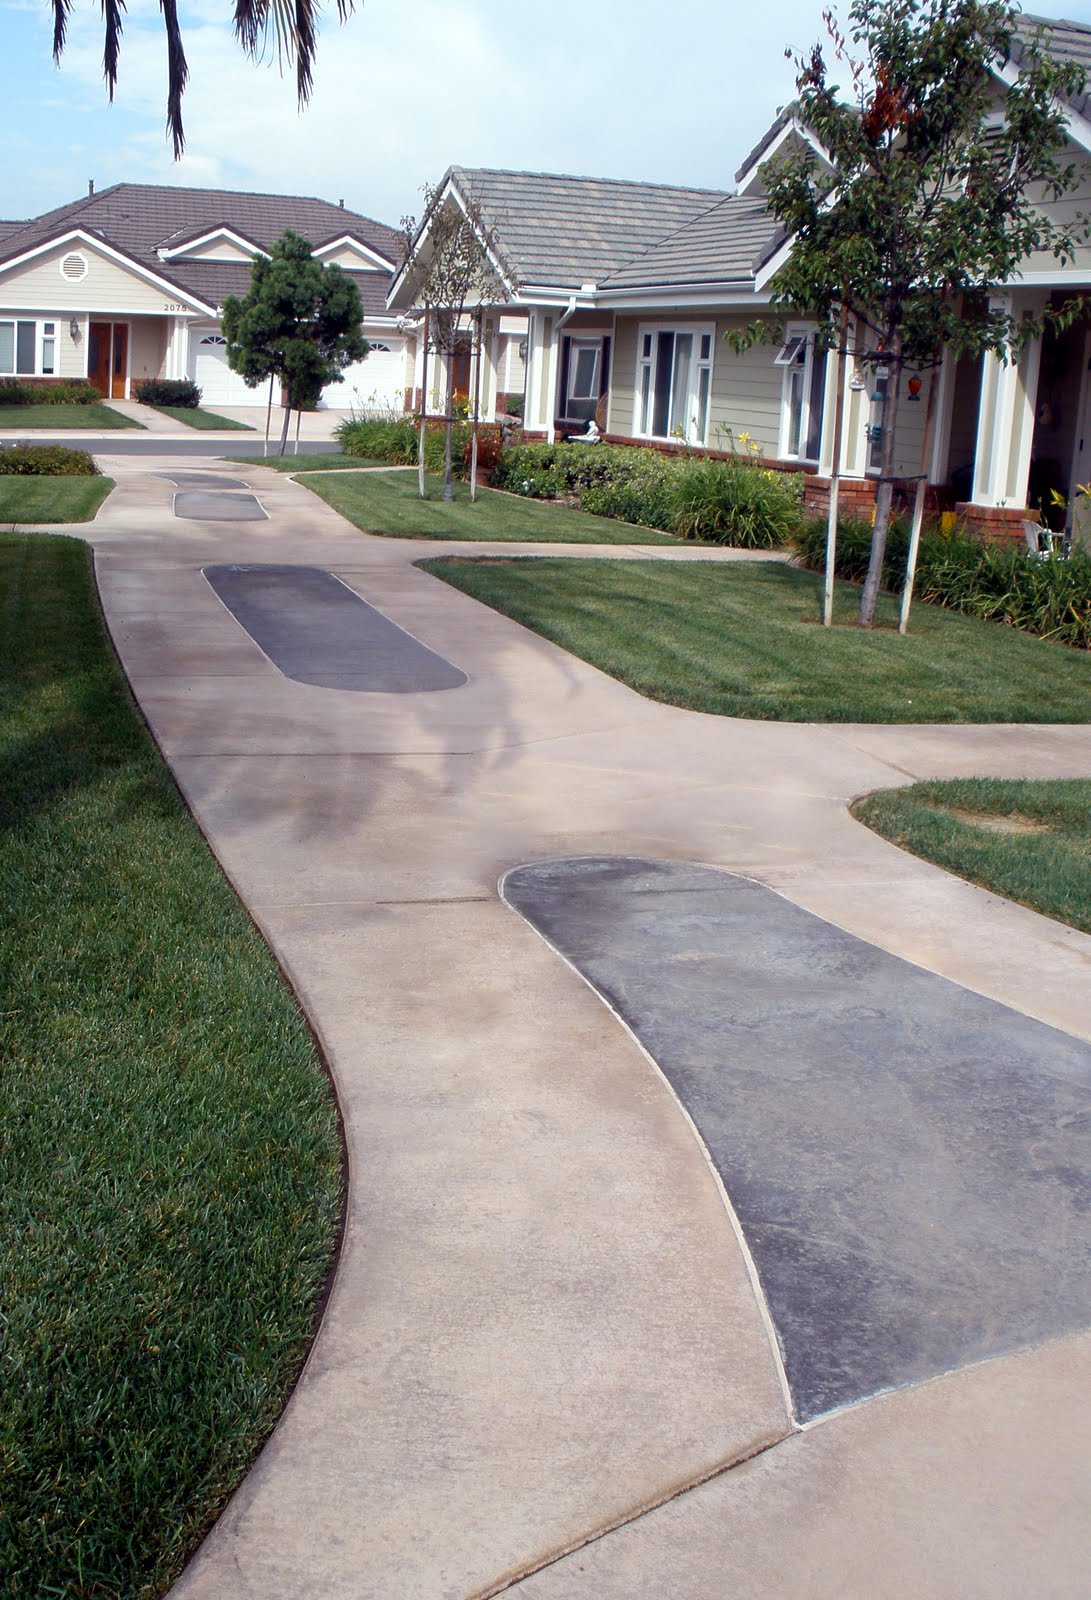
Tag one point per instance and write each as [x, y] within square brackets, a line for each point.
[923, 203]
[449, 252]
[299, 322]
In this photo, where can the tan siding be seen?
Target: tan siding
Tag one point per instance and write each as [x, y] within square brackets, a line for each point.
[623, 378]
[107, 287]
[746, 391]
[347, 257]
[147, 347]
[215, 250]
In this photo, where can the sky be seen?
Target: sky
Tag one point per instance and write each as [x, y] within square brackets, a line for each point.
[662, 92]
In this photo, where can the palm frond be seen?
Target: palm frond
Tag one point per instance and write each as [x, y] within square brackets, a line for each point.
[112, 11]
[177, 75]
[61, 9]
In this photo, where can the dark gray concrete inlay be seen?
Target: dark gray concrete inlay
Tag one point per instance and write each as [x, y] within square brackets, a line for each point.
[203, 480]
[317, 631]
[202, 505]
[909, 1161]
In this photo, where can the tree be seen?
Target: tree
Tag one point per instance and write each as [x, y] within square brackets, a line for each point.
[299, 322]
[294, 29]
[449, 252]
[922, 202]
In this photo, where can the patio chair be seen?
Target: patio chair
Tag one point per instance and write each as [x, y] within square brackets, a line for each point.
[1039, 539]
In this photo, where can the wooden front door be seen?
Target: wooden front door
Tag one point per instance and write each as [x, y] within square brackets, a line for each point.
[108, 358]
[99, 344]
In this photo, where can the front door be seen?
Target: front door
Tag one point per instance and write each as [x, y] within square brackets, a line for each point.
[99, 349]
[108, 358]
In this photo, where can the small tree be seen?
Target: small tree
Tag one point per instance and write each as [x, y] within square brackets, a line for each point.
[299, 322]
[922, 202]
[449, 253]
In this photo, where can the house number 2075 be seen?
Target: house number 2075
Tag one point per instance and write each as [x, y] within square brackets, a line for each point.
[169, 307]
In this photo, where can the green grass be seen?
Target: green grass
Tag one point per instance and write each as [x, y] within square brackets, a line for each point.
[318, 461]
[170, 1167]
[26, 498]
[744, 640]
[196, 417]
[55, 418]
[1049, 870]
[388, 503]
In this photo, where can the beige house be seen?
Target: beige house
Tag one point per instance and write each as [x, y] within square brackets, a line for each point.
[128, 284]
[629, 289]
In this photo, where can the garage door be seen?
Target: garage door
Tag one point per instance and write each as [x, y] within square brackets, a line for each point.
[218, 384]
[377, 384]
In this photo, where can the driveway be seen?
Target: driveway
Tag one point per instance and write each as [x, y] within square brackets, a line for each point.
[548, 1366]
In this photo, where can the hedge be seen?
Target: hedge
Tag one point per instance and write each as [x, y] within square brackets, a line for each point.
[397, 438]
[66, 392]
[182, 392]
[45, 461]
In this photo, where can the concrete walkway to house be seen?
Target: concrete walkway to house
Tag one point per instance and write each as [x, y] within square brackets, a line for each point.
[547, 1367]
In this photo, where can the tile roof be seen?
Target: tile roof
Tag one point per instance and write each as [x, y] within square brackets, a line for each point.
[726, 243]
[137, 218]
[561, 231]
[1067, 41]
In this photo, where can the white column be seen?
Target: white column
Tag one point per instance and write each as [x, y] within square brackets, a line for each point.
[939, 465]
[551, 379]
[1005, 427]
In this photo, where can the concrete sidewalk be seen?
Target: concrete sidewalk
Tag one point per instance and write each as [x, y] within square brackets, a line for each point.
[545, 1322]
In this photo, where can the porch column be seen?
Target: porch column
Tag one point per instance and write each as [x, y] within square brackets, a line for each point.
[553, 369]
[539, 394]
[177, 352]
[1005, 428]
[854, 418]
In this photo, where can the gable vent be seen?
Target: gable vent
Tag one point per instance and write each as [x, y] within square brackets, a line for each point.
[74, 267]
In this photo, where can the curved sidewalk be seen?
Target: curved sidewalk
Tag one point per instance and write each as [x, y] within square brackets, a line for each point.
[544, 1323]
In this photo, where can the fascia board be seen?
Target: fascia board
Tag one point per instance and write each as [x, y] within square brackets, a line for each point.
[795, 126]
[771, 267]
[100, 245]
[239, 239]
[712, 296]
[1078, 126]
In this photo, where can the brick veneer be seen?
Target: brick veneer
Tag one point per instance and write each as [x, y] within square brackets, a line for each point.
[998, 524]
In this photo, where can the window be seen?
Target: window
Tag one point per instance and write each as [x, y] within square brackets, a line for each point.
[673, 383]
[49, 349]
[584, 364]
[19, 348]
[802, 395]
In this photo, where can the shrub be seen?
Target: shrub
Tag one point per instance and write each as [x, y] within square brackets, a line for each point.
[395, 438]
[512, 404]
[729, 502]
[181, 392]
[64, 392]
[45, 461]
[1051, 598]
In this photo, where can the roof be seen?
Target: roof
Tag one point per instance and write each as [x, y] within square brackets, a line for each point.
[1065, 41]
[136, 218]
[560, 231]
[725, 244]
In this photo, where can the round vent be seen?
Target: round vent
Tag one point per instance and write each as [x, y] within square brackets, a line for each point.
[73, 267]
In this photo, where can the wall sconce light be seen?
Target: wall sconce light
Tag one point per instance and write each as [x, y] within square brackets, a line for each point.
[74, 329]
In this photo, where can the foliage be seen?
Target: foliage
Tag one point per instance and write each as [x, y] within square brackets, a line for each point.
[921, 204]
[293, 30]
[726, 502]
[513, 404]
[299, 321]
[739, 639]
[62, 392]
[168, 392]
[170, 1166]
[1050, 597]
[46, 460]
[1044, 861]
[396, 438]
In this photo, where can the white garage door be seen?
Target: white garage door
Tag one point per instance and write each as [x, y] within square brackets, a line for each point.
[377, 384]
[209, 370]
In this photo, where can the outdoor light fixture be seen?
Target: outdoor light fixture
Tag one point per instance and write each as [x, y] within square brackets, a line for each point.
[74, 329]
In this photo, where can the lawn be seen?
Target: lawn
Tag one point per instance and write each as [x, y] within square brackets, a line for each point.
[195, 417]
[13, 419]
[27, 498]
[170, 1171]
[1028, 840]
[317, 461]
[387, 502]
[743, 640]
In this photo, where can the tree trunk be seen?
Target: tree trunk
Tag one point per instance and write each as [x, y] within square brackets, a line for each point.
[918, 499]
[888, 422]
[448, 475]
[284, 429]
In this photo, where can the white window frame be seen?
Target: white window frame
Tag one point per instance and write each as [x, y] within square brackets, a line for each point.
[39, 324]
[648, 336]
[798, 336]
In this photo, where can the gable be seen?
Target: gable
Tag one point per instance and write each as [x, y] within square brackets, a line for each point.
[221, 247]
[78, 275]
[352, 255]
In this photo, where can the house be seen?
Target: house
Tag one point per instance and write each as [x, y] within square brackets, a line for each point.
[629, 290]
[128, 283]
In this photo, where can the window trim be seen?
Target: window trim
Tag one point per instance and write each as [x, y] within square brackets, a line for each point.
[647, 364]
[798, 335]
[39, 324]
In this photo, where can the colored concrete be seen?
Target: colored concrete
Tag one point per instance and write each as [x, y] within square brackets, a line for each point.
[543, 1323]
[315, 630]
[203, 480]
[205, 505]
[910, 1163]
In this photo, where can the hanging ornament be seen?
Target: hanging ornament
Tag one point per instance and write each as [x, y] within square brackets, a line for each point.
[914, 387]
